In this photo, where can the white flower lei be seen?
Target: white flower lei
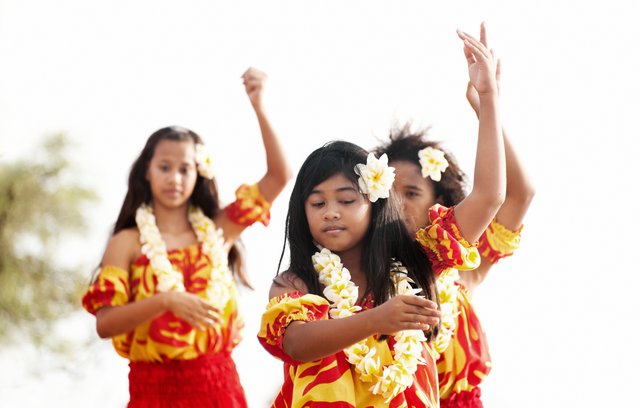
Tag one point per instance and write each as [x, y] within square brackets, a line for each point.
[212, 240]
[390, 380]
[447, 293]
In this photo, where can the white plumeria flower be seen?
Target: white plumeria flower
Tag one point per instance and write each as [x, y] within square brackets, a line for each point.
[376, 177]
[204, 161]
[433, 163]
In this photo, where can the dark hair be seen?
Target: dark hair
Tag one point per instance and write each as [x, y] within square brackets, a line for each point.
[387, 237]
[205, 193]
[404, 145]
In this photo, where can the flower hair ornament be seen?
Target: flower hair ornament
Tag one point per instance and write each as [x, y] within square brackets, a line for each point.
[433, 163]
[376, 177]
[204, 161]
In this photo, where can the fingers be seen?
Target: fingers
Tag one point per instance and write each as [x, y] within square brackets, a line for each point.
[478, 49]
[418, 301]
[253, 73]
[498, 70]
[483, 34]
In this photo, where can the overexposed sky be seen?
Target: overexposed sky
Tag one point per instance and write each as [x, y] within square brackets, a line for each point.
[559, 315]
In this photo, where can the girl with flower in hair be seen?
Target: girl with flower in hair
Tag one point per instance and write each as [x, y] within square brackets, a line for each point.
[353, 315]
[165, 293]
[428, 180]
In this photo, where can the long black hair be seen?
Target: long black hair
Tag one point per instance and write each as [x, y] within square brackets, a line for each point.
[404, 145]
[205, 192]
[386, 239]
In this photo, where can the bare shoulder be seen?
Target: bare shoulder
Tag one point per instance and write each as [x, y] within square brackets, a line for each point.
[286, 282]
[123, 248]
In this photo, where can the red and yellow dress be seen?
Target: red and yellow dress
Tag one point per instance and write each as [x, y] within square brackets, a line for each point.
[171, 363]
[333, 381]
[466, 361]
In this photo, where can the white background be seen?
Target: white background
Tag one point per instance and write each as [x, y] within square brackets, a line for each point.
[560, 316]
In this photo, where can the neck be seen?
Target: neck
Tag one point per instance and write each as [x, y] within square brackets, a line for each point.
[171, 220]
[352, 260]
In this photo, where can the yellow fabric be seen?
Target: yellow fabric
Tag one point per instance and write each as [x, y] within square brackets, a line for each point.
[501, 239]
[165, 337]
[333, 379]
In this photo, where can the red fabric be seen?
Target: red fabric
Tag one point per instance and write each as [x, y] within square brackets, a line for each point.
[209, 381]
[465, 399]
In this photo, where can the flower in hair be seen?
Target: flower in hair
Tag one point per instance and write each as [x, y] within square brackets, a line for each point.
[376, 177]
[204, 161]
[433, 163]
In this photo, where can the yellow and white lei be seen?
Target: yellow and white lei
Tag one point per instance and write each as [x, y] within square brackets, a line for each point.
[447, 293]
[390, 380]
[211, 238]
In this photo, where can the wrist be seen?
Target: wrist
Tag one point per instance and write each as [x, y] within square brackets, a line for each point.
[165, 300]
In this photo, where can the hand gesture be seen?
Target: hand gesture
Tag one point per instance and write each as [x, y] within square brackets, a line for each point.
[194, 310]
[481, 64]
[472, 94]
[253, 80]
[406, 312]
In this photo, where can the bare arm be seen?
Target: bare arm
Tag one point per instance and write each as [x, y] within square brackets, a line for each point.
[519, 189]
[278, 171]
[310, 341]
[477, 210]
[114, 320]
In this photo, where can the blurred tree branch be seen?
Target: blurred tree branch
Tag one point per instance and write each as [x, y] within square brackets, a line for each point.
[39, 203]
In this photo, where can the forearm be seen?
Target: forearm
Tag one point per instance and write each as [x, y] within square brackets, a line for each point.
[520, 190]
[476, 211]
[314, 340]
[114, 320]
[278, 171]
[489, 174]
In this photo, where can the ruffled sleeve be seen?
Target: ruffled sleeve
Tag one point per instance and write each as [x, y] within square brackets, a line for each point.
[111, 288]
[443, 243]
[250, 206]
[498, 242]
[284, 309]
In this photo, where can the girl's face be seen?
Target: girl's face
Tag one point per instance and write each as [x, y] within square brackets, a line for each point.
[338, 214]
[172, 173]
[416, 194]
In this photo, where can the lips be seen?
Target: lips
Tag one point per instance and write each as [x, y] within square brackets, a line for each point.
[172, 192]
[333, 229]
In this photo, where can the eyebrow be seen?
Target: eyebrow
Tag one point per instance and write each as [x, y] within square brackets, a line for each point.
[338, 190]
[412, 187]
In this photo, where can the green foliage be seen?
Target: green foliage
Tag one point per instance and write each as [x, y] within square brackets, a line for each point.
[39, 204]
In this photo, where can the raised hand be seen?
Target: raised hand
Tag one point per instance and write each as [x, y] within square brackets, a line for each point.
[481, 64]
[253, 80]
[472, 94]
[193, 310]
[406, 312]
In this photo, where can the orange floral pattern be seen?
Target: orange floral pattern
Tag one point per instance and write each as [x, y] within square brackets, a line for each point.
[250, 206]
[166, 337]
[466, 361]
[498, 242]
[332, 381]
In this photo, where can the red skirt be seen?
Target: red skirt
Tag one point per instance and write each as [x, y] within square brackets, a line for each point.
[209, 381]
[465, 399]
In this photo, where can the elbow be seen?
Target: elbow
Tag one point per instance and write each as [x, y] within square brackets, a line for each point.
[102, 327]
[524, 196]
[103, 333]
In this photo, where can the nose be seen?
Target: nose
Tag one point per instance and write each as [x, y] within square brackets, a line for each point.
[176, 178]
[331, 213]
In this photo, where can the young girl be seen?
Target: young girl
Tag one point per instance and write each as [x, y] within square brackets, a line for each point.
[425, 175]
[351, 316]
[165, 293]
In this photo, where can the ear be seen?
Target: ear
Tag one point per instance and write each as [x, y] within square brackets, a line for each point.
[146, 173]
